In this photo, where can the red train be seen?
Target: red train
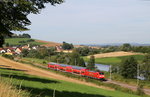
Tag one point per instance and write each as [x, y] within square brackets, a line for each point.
[77, 70]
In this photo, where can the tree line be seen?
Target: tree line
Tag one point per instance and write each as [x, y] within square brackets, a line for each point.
[24, 35]
[130, 68]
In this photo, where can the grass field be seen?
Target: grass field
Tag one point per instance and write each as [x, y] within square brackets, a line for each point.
[15, 41]
[114, 60]
[44, 87]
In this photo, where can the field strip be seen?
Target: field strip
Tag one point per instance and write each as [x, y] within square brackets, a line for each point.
[115, 54]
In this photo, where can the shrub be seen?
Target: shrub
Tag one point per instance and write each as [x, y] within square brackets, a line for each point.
[8, 56]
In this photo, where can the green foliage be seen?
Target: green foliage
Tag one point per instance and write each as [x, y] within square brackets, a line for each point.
[14, 14]
[126, 47]
[82, 62]
[7, 44]
[67, 46]
[25, 52]
[91, 63]
[21, 41]
[1, 41]
[8, 56]
[128, 68]
[140, 90]
[145, 68]
[143, 49]
[84, 51]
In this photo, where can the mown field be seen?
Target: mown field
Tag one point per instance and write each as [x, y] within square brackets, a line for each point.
[15, 41]
[45, 87]
[115, 60]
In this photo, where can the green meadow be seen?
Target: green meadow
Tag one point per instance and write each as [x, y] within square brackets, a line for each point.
[115, 60]
[15, 41]
[46, 87]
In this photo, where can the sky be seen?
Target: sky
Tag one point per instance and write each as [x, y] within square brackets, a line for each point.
[93, 22]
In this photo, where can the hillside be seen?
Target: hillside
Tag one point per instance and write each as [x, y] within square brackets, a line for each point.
[22, 41]
[48, 43]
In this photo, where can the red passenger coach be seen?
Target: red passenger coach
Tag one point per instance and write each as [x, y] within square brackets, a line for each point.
[76, 70]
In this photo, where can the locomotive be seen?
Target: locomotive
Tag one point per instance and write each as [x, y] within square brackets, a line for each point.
[77, 70]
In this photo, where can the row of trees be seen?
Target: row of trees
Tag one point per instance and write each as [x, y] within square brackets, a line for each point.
[85, 51]
[126, 47]
[24, 35]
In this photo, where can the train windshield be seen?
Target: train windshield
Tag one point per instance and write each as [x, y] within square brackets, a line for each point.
[101, 73]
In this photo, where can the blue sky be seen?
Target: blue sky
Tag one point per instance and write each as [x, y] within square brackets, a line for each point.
[93, 21]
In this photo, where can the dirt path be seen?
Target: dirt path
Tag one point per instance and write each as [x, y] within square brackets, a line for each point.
[43, 73]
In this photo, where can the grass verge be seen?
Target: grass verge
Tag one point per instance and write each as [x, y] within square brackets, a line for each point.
[7, 89]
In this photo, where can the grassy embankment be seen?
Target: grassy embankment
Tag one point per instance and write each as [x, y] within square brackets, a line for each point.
[15, 41]
[8, 90]
[115, 60]
[45, 87]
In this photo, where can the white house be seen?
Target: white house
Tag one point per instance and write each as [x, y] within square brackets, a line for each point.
[2, 50]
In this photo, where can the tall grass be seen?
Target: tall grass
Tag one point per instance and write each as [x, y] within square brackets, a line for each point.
[8, 90]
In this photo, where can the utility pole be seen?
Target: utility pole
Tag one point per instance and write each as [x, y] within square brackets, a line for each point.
[138, 72]
[75, 62]
[110, 72]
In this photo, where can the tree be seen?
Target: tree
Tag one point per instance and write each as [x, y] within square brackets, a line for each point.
[146, 67]
[126, 47]
[91, 63]
[67, 46]
[24, 35]
[13, 14]
[1, 40]
[82, 62]
[25, 52]
[128, 68]
[75, 56]
[7, 44]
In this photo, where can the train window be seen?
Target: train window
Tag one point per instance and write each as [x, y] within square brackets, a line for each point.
[101, 73]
